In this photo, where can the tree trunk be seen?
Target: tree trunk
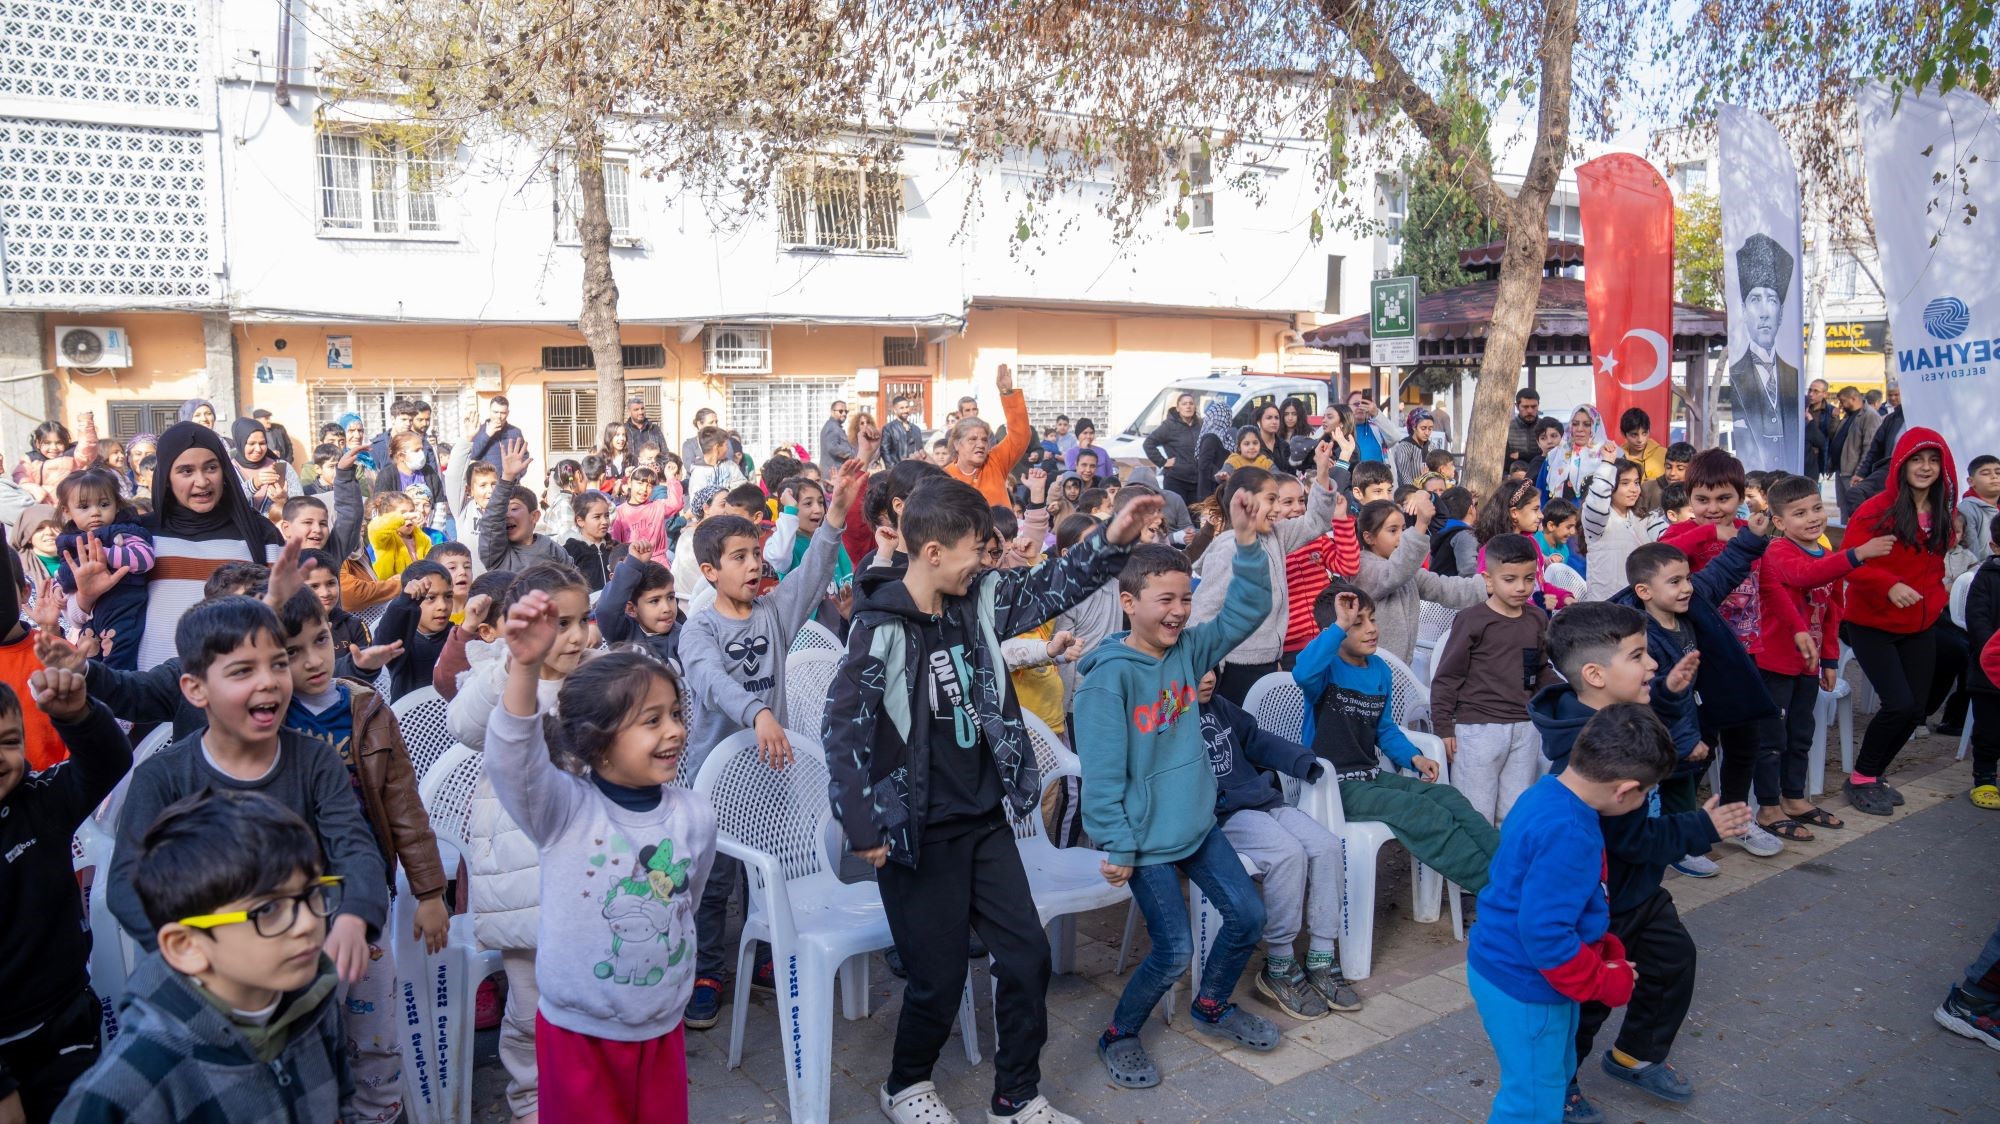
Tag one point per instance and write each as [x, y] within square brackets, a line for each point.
[598, 321]
[1524, 223]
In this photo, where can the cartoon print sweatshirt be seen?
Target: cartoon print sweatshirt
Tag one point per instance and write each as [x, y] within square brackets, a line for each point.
[619, 888]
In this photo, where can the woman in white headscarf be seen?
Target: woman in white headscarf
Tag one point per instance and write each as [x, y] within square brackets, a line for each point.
[1575, 461]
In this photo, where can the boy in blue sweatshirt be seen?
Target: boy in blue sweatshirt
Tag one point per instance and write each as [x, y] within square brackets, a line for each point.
[1149, 796]
[1543, 944]
[1603, 651]
[1348, 725]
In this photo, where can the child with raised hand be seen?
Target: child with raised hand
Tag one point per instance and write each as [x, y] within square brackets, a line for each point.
[234, 1012]
[801, 510]
[1602, 650]
[931, 621]
[419, 619]
[355, 725]
[1614, 523]
[1543, 944]
[93, 508]
[1491, 666]
[1149, 802]
[51, 1029]
[734, 651]
[396, 533]
[1394, 548]
[641, 517]
[233, 667]
[608, 1036]
[507, 536]
[1799, 606]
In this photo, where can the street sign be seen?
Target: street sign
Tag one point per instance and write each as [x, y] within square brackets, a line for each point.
[1392, 321]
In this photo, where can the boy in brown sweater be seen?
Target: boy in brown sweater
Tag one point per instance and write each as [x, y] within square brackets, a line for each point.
[1494, 661]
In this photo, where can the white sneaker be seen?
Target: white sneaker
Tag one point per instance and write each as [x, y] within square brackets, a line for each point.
[1759, 842]
[918, 1104]
[1037, 1111]
[1696, 866]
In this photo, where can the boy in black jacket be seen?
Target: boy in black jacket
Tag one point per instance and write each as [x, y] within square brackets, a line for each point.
[51, 1024]
[638, 605]
[419, 618]
[928, 755]
[1297, 858]
[1982, 619]
[1601, 650]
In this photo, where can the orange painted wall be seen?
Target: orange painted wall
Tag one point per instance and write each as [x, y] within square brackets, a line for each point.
[169, 361]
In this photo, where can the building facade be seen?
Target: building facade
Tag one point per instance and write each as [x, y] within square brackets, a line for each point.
[217, 233]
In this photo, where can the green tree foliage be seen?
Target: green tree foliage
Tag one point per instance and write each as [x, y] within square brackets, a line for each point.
[1698, 265]
[1442, 220]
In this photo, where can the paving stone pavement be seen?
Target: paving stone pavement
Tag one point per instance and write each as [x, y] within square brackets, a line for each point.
[1818, 974]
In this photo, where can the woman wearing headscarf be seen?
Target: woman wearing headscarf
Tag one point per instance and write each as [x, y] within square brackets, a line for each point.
[356, 434]
[200, 521]
[269, 480]
[1575, 461]
[199, 411]
[1212, 445]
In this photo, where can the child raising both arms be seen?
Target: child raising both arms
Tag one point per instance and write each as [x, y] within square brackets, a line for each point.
[608, 1036]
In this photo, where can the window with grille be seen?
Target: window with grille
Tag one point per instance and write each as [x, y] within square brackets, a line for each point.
[373, 184]
[736, 349]
[903, 351]
[832, 206]
[1395, 210]
[1200, 170]
[617, 200]
[636, 356]
[767, 413]
[448, 406]
[106, 211]
[130, 419]
[1076, 390]
[571, 410]
[1566, 221]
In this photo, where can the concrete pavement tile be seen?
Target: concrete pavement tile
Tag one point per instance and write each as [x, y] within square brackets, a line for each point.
[1390, 1015]
[1321, 1095]
[1386, 1072]
[1467, 1090]
[1437, 993]
[1290, 1060]
[1455, 972]
[1336, 1037]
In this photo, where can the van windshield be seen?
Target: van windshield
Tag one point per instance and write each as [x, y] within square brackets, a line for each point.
[1150, 418]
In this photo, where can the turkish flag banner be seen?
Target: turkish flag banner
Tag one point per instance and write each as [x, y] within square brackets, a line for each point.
[1628, 287]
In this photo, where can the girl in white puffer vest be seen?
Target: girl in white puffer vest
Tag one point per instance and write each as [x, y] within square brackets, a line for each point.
[502, 862]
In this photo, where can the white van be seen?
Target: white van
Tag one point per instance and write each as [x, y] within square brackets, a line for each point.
[1243, 394]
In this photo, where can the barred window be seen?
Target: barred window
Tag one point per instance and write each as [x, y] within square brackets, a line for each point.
[1076, 390]
[377, 185]
[573, 427]
[617, 200]
[768, 412]
[830, 206]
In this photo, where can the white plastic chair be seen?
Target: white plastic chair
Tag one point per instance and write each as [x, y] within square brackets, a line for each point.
[1831, 708]
[1409, 696]
[1433, 624]
[1280, 708]
[421, 714]
[779, 825]
[816, 637]
[436, 992]
[1065, 881]
[372, 616]
[808, 682]
[107, 812]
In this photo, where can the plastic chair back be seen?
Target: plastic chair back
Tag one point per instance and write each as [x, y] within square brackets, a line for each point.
[816, 637]
[1278, 705]
[421, 714]
[1053, 763]
[808, 682]
[781, 812]
[446, 792]
[1409, 698]
[1563, 576]
[107, 812]
[1433, 620]
[1960, 591]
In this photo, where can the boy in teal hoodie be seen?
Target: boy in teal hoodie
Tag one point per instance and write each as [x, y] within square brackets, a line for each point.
[1149, 795]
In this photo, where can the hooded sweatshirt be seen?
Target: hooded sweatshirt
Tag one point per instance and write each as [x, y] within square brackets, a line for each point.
[1978, 516]
[1639, 845]
[1243, 758]
[1868, 586]
[180, 1055]
[1728, 691]
[1148, 793]
[1267, 641]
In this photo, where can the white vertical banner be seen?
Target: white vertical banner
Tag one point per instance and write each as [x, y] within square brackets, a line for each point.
[1762, 265]
[1934, 191]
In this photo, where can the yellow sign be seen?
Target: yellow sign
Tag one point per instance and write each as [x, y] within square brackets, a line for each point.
[1855, 337]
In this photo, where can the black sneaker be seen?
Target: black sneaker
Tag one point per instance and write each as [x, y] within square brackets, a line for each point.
[1871, 799]
[894, 960]
[1291, 992]
[764, 977]
[1968, 1018]
[1333, 987]
[704, 1005]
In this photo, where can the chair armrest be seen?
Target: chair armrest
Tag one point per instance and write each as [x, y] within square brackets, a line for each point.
[768, 879]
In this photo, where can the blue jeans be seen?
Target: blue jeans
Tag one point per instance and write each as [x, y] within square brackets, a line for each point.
[1215, 868]
[1982, 979]
[1536, 1046]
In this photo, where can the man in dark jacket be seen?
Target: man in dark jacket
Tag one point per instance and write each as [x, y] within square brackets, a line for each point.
[1819, 430]
[902, 438]
[1171, 448]
[641, 430]
[494, 434]
[1521, 444]
[1872, 474]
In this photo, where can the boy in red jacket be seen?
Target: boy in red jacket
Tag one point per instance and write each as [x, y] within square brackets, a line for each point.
[1893, 601]
[1799, 614]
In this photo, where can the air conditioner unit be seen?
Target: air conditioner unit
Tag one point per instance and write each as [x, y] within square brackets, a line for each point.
[737, 349]
[93, 347]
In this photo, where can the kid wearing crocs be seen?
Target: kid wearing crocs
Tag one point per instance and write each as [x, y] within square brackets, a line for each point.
[1149, 795]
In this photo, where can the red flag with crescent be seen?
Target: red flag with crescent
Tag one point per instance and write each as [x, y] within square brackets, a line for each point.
[1628, 287]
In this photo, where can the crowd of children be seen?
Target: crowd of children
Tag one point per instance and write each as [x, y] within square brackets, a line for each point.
[1623, 615]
